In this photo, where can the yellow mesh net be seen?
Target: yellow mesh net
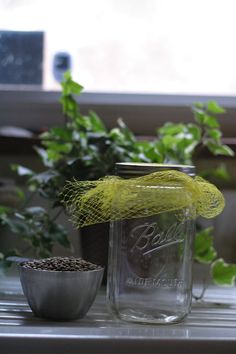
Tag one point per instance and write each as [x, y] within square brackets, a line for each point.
[114, 198]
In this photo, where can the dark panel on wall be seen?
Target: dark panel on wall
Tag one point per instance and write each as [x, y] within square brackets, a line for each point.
[21, 57]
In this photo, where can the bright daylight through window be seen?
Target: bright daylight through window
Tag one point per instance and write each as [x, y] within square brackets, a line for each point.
[153, 46]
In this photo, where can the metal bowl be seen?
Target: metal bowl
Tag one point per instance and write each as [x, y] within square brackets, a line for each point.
[60, 295]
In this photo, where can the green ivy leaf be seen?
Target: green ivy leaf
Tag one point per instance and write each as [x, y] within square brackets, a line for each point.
[17, 226]
[96, 123]
[55, 150]
[215, 134]
[199, 115]
[127, 134]
[44, 177]
[211, 121]
[222, 173]
[186, 146]
[152, 154]
[204, 116]
[69, 86]
[218, 149]
[44, 156]
[223, 273]
[57, 133]
[61, 147]
[171, 129]
[21, 170]
[35, 210]
[4, 210]
[215, 108]
[204, 251]
[198, 105]
[69, 106]
[195, 131]
[20, 193]
[169, 141]
[219, 172]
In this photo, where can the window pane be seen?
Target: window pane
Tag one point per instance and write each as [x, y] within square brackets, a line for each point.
[152, 46]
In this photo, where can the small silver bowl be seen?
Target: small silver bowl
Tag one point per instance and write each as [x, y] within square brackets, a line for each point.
[60, 295]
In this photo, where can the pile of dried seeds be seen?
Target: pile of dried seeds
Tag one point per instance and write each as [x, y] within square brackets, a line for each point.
[61, 264]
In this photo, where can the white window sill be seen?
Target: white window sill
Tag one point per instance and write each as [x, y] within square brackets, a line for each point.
[210, 327]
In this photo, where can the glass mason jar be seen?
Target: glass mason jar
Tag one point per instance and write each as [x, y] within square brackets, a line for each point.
[150, 259]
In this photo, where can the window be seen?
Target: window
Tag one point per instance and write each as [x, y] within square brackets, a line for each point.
[154, 46]
[146, 61]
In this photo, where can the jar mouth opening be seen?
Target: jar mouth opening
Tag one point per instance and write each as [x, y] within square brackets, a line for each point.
[130, 169]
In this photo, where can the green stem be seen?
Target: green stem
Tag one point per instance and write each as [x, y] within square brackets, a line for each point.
[205, 284]
[57, 214]
[27, 201]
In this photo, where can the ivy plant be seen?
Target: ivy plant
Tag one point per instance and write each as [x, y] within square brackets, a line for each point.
[222, 273]
[182, 143]
[85, 149]
[81, 148]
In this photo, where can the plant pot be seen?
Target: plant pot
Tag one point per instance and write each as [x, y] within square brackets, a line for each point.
[94, 243]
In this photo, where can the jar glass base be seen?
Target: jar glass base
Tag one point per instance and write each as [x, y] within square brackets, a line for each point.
[148, 316]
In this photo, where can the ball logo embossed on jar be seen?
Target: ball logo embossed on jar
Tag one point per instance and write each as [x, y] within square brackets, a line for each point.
[146, 240]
